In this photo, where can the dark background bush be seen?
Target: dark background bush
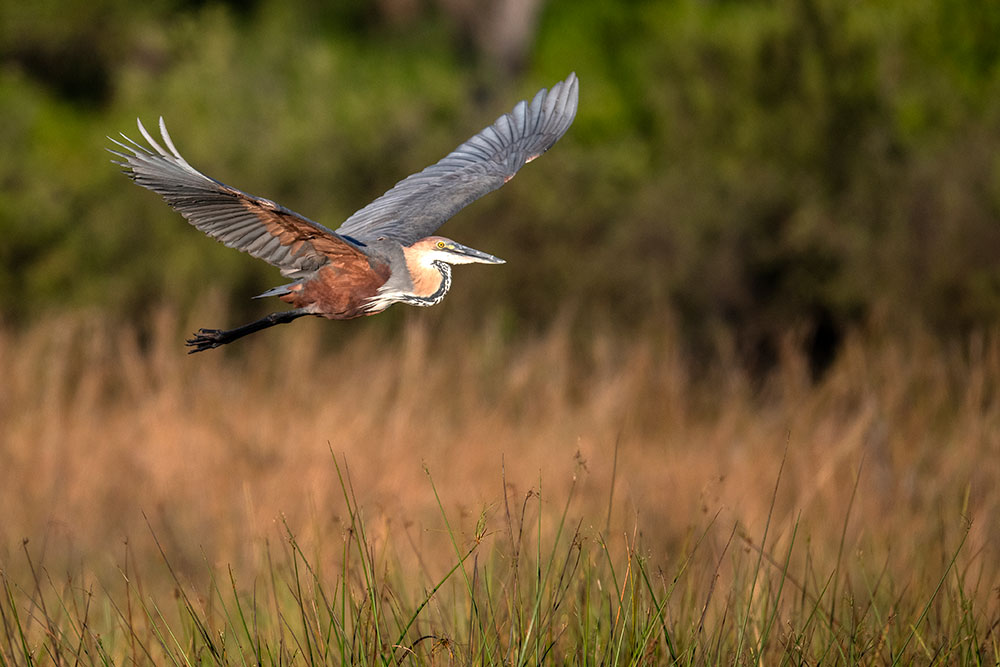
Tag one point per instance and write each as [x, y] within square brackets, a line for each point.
[747, 167]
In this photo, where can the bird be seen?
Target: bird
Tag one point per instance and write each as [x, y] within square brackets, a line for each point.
[386, 252]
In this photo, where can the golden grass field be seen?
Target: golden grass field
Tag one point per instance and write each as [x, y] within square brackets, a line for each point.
[111, 437]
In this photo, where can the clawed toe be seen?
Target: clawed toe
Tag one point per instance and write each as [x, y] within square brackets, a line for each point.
[206, 339]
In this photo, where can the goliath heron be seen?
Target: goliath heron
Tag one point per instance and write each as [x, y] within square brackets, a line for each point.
[384, 253]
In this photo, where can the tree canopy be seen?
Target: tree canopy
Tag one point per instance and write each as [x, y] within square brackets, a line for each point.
[755, 165]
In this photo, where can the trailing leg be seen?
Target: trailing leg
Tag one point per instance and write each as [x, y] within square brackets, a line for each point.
[206, 339]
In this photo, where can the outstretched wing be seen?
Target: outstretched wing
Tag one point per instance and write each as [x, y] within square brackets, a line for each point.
[254, 225]
[419, 204]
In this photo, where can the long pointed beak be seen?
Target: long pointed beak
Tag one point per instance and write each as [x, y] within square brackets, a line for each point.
[472, 255]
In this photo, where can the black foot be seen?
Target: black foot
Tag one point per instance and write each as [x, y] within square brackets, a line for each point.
[206, 339]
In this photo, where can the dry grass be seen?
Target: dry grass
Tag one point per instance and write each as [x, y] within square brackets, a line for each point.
[886, 464]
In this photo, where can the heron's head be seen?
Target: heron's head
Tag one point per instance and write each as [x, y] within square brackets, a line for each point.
[440, 249]
[426, 277]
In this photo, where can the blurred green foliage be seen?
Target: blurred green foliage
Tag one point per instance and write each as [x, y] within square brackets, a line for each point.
[756, 166]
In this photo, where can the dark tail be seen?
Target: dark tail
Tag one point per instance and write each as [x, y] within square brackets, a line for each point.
[206, 339]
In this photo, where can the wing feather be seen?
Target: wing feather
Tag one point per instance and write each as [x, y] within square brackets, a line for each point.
[419, 204]
[254, 225]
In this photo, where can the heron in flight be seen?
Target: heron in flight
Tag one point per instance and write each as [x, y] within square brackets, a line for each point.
[386, 252]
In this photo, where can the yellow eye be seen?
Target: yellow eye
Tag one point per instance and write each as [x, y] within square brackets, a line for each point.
[440, 245]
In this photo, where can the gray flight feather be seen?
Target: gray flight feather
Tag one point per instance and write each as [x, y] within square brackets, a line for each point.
[416, 206]
[254, 225]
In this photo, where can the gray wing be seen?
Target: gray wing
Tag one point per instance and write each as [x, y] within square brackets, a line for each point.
[254, 225]
[419, 204]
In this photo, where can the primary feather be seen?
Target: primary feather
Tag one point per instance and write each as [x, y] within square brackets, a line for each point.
[255, 225]
[416, 206]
